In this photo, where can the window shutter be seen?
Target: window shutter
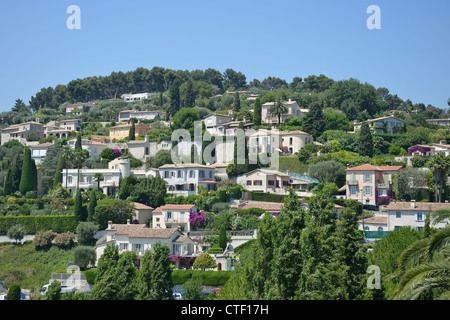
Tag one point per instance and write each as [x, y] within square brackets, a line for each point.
[370, 190]
[415, 216]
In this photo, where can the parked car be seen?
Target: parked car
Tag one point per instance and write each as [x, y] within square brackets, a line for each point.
[178, 295]
[216, 290]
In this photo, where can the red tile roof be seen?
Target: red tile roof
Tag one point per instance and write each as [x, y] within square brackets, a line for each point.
[173, 207]
[369, 167]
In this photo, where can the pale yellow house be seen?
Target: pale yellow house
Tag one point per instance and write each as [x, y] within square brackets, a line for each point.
[122, 131]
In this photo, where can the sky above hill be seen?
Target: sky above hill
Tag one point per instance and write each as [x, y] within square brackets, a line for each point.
[409, 55]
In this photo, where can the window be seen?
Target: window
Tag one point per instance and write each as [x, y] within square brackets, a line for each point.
[191, 174]
[257, 183]
[123, 246]
[202, 174]
[367, 177]
[285, 183]
[419, 228]
[353, 190]
[290, 141]
[166, 174]
[210, 174]
[179, 174]
[380, 228]
[169, 215]
[397, 228]
[249, 182]
[368, 190]
[382, 192]
[419, 216]
[137, 247]
[398, 214]
[271, 183]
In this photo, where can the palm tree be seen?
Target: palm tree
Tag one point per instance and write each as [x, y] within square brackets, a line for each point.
[67, 154]
[440, 215]
[278, 109]
[426, 265]
[98, 177]
[439, 164]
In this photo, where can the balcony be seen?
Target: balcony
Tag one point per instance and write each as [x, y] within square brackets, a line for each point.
[352, 182]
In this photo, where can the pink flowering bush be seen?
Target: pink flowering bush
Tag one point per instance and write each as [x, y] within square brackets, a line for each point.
[197, 219]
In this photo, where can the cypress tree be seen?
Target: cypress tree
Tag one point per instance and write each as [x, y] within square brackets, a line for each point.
[222, 238]
[13, 292]
[160, 99]
[78, 204]
[365, 143]
[189, 100]
[132, 132]
[16, 171]
[92, 205]
[257, 112]
[174, 94]
[78, 145]
[28, 179]
[58, 173]
[7, 190]
[314, 122]
[237, 102]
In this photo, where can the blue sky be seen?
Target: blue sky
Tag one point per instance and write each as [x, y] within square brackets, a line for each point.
[409, 55]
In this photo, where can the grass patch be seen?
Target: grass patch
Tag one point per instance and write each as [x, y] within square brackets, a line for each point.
[291, 164]
[29, 268]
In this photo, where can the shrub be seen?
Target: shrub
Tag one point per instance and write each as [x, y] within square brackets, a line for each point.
[215, 249]
[16, 232]
[85, 232]
[13, 292]
[83, 256]
[43, 239]
[204, 261]
[220, 206]
[33, 224]
[64, 240]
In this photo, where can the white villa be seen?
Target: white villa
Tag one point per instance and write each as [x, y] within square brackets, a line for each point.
[184, 179]
[126, 115]
[173, 216]
[139, 238]
[129, 97]
[294, 110]
[94, 148]
[381, 125]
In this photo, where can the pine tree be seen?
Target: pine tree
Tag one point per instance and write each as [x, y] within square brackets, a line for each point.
[58, 173]
[365, 143]
[28, 179]
[7, 190]
[189, 100]
[257, 112]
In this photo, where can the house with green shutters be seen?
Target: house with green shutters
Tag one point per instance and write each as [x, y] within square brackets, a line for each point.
[369, 184]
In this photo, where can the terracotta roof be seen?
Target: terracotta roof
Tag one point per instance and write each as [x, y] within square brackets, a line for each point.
[141, 206]
[369, 167]
[42, 145]
[173, 207]
[184, 165]
[268, 206]
[282, 133]
[207, 181]
[141, 231]
[419, 206]
[375, 220]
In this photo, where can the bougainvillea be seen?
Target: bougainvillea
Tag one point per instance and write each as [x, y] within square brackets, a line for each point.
[197, 219]
[117, 152]
[423, 150]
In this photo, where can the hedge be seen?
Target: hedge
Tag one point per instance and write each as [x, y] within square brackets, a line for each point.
[32, 224]
[267, 197]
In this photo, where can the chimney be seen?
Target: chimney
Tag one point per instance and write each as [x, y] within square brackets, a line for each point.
[128, 221]
[442, 142]
[348, 165]
[109, 224]
[413, 204]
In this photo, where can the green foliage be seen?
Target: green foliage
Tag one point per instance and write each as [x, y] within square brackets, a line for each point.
[204, 261]
[53, 291]
[161, 158]
[64, 240]
[365, 143]
[222, 238]
[13, 292]
[57, 223]
[328, 172]
[28, 180]
[267, 197]
[16, 232]
[86, 232]
[192, 289]
[43, 239]
[314, 121]
[215, 249]
[118, 211]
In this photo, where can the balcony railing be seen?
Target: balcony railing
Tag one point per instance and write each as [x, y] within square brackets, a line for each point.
[352, 182]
